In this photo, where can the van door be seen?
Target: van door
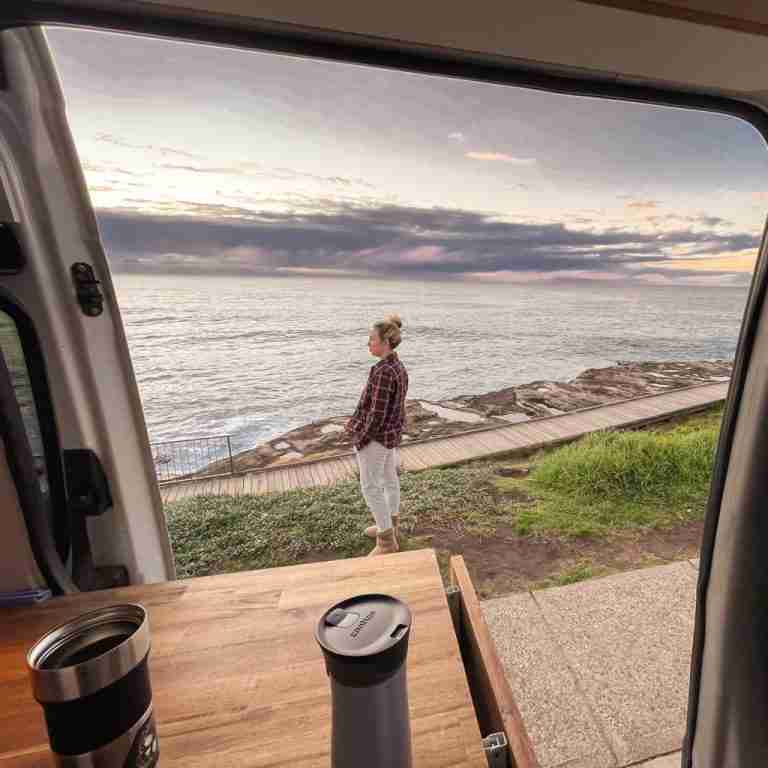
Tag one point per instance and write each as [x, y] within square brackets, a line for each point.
[728, 700]
[105, 511]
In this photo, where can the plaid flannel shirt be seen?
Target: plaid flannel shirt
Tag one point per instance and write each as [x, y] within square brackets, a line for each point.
[380, 414]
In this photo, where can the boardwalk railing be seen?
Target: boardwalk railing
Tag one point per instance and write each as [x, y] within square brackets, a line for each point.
[196, 457]
[521, 438]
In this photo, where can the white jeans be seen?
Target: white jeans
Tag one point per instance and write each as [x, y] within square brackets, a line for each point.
[379, 482]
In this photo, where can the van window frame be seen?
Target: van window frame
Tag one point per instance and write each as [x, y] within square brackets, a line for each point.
[49, 435]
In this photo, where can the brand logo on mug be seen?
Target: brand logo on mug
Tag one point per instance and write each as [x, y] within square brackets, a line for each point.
[356, 631]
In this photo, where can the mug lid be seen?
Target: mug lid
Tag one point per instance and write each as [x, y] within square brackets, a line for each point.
[364, 638]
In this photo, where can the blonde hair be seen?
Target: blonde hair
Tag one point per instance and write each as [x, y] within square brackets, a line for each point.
[389, 330]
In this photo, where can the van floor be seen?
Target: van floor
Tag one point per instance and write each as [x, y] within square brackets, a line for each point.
[507, 562]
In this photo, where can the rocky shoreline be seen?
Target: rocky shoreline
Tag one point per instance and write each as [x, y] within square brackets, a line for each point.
[595, 386]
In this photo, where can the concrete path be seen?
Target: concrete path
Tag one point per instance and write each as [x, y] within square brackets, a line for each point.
[600, 668]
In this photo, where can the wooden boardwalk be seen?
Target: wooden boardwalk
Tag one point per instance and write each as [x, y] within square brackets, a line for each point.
[465, 446]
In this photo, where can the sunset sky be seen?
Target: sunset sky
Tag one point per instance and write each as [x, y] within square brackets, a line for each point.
[202, 159]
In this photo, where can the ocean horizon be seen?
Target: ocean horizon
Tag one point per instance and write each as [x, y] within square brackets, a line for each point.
[254, 357]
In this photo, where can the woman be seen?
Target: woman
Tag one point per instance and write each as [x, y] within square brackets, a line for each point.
[376, 428]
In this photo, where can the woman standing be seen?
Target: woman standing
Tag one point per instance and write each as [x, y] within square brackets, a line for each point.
[376, 429]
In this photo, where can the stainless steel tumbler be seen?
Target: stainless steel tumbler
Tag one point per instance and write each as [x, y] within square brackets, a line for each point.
[91, 677]
[365, 643]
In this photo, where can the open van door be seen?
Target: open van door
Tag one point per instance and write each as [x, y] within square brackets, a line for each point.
[728, 698]
[81, 505]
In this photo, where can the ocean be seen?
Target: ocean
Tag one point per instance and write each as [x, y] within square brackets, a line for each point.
[253, 357]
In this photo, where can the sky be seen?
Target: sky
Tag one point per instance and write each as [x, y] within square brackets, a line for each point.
[202, 159]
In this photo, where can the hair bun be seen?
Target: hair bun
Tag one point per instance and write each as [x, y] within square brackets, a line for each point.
[396, 320]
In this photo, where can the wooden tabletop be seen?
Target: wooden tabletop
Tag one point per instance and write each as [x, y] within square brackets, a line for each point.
[237, 677]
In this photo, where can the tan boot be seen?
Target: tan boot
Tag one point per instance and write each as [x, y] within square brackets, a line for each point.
[386, 544]
[372, 530]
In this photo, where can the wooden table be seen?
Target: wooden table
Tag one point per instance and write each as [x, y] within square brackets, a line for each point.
[237, 676]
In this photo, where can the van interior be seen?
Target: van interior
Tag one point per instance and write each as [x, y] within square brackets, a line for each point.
[81, 510]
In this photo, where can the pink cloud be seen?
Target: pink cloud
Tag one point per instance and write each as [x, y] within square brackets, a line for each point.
[510, 276]
[425, 254]
[500, 157]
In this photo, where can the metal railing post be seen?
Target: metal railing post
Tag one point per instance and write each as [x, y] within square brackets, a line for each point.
[231, 463]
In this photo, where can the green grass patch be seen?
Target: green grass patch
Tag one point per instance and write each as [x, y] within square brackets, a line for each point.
[707, 419]
[572, 575]
[617, 480]
[214, 534]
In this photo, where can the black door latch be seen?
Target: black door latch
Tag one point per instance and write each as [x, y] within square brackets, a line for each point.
[89, 296]
[88, 496]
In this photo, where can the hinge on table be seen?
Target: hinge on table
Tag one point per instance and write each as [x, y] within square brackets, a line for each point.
[496, 747]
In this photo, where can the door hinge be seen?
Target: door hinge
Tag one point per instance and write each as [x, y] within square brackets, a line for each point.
[496, 750]
[89, 295]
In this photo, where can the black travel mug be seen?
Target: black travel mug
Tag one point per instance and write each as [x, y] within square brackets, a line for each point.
[365, 643]
[91, 678]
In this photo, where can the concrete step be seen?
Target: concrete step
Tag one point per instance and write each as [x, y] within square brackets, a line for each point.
[600, 668]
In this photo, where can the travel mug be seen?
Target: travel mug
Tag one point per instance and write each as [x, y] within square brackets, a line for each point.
[91, 678]
[365, 644]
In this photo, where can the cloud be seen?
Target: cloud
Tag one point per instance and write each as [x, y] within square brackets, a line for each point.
[643, 204]
[398, 240]
[710, 221]
[702, 220]
[109, 138]
[91, 167]
[500, 157]
[457, 136]
[223, 170]
[735, 262]
[246, 167]
[251, 169]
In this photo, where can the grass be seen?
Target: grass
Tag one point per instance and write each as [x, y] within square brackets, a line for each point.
[606, 482]
[579, 572]
[622, 480]
[588, 569]
[707, 419]
[212, 534]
